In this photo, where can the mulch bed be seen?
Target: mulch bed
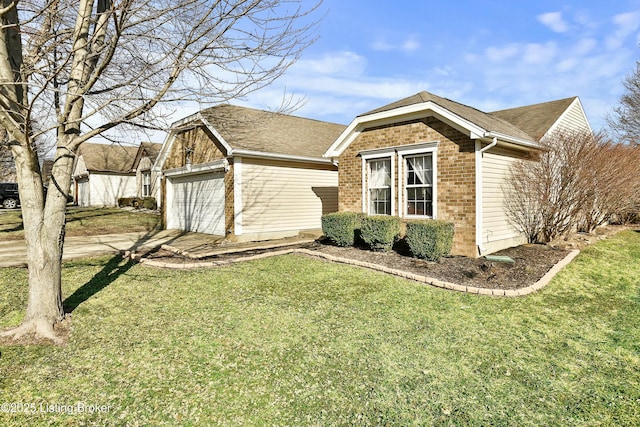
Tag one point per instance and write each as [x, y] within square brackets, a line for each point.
[531, 263]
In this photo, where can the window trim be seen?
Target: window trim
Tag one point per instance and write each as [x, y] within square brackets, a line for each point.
[398, 185]
[146, 175]
[380, 154]
[430, 148]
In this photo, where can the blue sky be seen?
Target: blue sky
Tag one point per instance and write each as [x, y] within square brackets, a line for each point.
[487, 54]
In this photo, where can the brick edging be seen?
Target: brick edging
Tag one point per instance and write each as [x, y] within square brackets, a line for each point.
[544, 280]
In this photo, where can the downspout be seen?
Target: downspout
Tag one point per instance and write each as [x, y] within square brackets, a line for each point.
[481, 151]
[493, 143]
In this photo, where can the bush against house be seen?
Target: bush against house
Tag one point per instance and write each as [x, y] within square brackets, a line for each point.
[429, 239]
[342, 227]
[380, 232]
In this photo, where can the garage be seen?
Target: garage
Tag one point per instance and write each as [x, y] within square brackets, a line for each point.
[196, 203]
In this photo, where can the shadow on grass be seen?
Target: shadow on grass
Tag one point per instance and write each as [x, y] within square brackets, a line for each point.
[114, 268]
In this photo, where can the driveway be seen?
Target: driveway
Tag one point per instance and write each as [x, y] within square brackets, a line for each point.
[14, 253]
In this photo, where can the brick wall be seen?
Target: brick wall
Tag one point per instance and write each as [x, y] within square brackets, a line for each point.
[202, 146]
[455, 181]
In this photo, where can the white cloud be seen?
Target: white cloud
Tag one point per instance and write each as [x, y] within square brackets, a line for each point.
[535, 53]
[410, 44]
[626, 24]
[342, 62]
[554, 21]
[500, 54]
[585, 46]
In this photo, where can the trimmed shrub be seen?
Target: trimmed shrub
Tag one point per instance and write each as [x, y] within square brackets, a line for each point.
[341, 227]
[149, 203]
[124, 202]
[137, 202]
[380, 232]
[429, 239]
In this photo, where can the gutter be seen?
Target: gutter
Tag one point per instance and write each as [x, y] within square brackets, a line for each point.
[261, 154]
[493, 143]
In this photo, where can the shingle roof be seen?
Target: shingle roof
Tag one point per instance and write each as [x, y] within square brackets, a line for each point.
[107, 157]
[268, 132]
[487, 121]
[535, 119]
[151, 149]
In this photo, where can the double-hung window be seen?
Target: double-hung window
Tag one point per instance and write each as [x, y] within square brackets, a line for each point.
[146, 184]
[419, 185]
[400, 180]
[379, 179]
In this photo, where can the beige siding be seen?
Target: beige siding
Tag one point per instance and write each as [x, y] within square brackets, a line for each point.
[573, 119]
[497, 232]
[105, 189]
[285, 196]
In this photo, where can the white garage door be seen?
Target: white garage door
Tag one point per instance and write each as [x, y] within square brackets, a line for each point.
[196, 203]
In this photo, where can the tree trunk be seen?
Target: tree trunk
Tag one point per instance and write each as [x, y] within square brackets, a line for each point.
[44, 226]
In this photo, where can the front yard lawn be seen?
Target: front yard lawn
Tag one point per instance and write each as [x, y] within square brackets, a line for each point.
[87, 222]
[294, 341]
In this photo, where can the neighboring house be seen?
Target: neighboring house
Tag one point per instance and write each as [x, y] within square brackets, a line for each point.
[46, 170]
[430, 157]
[248, 174]
[147, 181]
[103, 173]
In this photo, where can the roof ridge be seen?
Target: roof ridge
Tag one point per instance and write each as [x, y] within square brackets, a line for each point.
[258, 110]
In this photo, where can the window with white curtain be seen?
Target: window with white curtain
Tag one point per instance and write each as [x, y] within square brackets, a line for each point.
[379, 182]
[419, 185]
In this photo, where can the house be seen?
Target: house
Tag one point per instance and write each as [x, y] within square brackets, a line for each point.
[103, 173]
[247, 174]
[147, 181]
[430, 157]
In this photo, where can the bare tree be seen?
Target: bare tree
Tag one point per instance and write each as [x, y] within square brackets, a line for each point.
[546, 193]
[81, 68]
[625, 119]
[611, 181]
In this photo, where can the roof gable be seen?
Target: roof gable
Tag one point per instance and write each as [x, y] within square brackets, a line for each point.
[146, 149]
[483, 120]
[537, 119]
[471, 121]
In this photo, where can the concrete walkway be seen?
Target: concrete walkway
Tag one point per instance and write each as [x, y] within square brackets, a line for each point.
[192, 245]
[13, 253]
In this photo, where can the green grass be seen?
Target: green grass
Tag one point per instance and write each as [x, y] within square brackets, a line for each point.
[86, 222]
[295, 341]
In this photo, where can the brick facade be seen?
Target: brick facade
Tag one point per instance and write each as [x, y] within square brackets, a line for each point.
[201, 146]
[456, 176]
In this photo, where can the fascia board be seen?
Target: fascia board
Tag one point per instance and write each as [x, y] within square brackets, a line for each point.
[502, 138]
[222, 165]
[276, 156]
[164, 151]
[215, 133]
[408, 112]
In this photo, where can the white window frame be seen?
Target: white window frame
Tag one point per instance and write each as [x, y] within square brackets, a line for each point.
[383, 154]
[146, 183]
[416, 150]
